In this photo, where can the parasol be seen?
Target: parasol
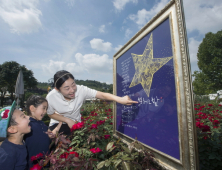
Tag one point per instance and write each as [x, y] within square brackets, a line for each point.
[19, 87]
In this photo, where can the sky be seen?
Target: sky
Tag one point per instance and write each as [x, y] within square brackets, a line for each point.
[82, 36]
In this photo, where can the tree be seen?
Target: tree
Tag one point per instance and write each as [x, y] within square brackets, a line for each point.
[209, 78]
[8, 75]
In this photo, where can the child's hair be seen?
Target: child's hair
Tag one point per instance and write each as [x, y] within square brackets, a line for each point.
[35, 101]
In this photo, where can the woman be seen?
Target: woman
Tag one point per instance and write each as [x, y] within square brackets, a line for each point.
[66, 99]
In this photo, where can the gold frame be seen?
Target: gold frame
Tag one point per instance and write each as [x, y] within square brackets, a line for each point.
[186, 118]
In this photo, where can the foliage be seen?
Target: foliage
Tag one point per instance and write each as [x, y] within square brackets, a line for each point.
[209, 78]
[9, 72]
[43, 85]
[91, 145]
[202, 99]
[201, 84]
[208, 123]
[89, 83]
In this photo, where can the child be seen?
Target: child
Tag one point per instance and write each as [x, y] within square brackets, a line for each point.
[13, 151]
[37, 141]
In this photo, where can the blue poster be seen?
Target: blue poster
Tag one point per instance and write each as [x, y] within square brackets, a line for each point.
[146, 73]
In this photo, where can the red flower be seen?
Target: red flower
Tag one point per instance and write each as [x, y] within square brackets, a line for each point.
[77, 126]
[210, 119]
[69, 148]
[95, 150]
[33, 158]
[111, 123]
[93, 113]
[36, 167]
[210, 105]
[64, 155]
[100, 122]
[216, 122]
[205, 137]
[106, 136]
[109, 110]
[98, 150]
[94, 126]
[204, 117]
[75, 153]
[80, 125]
[197, 124]
[205, 128]
[200, 113]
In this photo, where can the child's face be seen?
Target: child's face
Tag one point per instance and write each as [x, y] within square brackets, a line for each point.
[23, 122]
[40, 111]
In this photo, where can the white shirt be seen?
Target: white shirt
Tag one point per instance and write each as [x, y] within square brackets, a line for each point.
[68, 108]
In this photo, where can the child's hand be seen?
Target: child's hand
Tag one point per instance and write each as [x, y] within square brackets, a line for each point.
[50, 134]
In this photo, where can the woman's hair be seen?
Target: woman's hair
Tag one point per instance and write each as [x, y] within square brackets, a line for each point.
[60, 77]
[35, 101]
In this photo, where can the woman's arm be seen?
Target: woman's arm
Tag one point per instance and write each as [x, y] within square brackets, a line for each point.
[61, 118]
[122, 100]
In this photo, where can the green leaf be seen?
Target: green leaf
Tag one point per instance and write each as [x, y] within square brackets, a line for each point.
[109, 146]
[107, 163]
[126, 149]
[127, 159]
[138, 166]
[76, 137]
[116, 163]
[212, 156]
[102, 156]
[93, 143]
[72, 143]
[126, 165]
[100, 165]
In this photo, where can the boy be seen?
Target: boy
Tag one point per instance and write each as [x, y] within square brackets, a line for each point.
[13, 151]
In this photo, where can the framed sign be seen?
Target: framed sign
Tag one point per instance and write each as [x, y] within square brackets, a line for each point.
[153, 68]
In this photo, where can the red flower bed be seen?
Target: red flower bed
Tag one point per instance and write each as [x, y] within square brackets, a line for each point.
[91, 144]
[209, 133]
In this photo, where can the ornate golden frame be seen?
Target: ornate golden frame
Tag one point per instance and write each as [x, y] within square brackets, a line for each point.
[187, 131]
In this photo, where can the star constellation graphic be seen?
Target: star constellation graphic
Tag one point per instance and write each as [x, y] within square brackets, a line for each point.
[146, 66]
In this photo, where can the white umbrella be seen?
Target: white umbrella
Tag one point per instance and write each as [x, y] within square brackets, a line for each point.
[19, 87]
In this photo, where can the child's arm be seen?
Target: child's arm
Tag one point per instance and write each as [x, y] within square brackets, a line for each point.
[52, 134]
[57, 128]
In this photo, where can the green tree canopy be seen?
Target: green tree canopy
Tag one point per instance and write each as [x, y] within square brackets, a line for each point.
[209, 78]
[8, 75]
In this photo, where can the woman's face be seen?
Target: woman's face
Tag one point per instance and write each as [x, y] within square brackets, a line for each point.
[68, 89]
